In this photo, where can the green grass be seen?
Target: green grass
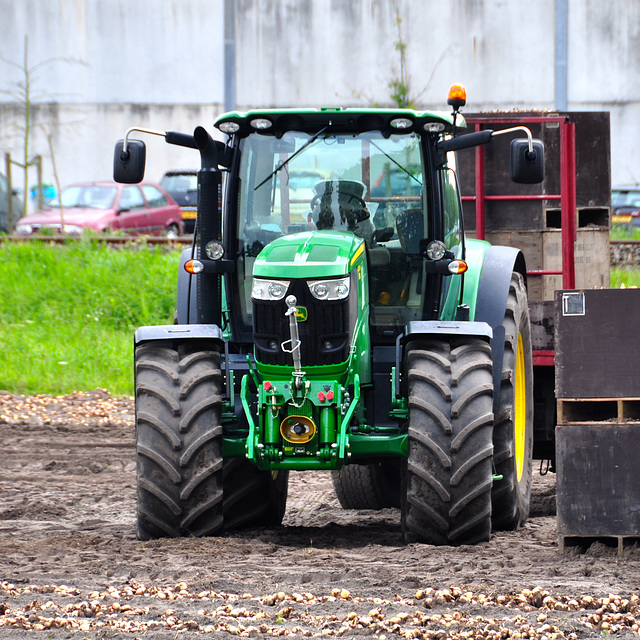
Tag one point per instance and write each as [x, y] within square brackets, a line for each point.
[68, 313]
[626, 277]
[624, 232]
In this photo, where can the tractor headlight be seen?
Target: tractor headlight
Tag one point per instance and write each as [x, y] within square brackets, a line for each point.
[214, 250]
[436, 250]
[337, 289]
[269, 289]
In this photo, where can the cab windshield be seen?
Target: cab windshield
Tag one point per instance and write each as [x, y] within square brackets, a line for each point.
[365, 183]
[282, 179]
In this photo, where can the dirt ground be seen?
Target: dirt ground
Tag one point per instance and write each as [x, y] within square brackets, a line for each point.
[71, 567]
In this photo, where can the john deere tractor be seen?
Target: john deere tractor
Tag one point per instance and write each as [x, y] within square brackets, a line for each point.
[332, 316]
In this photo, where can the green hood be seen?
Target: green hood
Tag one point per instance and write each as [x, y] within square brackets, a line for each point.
[311, 254]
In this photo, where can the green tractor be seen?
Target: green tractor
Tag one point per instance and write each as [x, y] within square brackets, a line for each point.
[332, 316]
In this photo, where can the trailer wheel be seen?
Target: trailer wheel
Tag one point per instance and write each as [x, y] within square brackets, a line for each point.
[513, 428]
[373, 486]
[253, 498]
[178, 441]
[449, 469]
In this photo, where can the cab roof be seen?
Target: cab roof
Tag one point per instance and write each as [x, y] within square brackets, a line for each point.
[336, 120]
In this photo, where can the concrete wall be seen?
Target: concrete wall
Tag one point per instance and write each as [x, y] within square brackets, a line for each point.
[344, 52]
[83, 137]
[111, 64]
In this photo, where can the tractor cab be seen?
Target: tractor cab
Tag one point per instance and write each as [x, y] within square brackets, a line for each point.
[377, 179]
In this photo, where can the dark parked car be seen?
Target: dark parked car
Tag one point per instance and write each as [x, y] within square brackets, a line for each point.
[104, 207]
[625, 205]
[182, 184]
[16, 204]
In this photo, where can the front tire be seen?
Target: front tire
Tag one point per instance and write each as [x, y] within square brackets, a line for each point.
[449, 468]
[513, 428]
[178, 441]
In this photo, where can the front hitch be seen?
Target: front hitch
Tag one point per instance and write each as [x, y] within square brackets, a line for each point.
[294, 341]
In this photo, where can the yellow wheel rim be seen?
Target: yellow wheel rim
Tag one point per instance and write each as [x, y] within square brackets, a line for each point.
[520, 408]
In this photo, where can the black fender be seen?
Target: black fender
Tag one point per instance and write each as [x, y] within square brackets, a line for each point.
[417, 329]
[180, 332]
[202, 333]
[493, 291]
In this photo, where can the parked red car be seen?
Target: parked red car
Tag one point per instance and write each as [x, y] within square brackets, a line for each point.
[104, 207]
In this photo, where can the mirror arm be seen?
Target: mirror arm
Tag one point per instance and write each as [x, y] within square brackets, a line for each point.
[155, 132]
[512, 129]
[466, 141]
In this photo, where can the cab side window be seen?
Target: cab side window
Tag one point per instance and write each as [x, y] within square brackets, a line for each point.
[452, 237]
[452, 209]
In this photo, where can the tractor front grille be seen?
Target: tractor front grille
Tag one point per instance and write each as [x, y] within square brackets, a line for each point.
[325, 334]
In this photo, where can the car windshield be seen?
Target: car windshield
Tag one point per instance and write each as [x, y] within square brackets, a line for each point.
[180, 182]
[625, 198]
[86, 196]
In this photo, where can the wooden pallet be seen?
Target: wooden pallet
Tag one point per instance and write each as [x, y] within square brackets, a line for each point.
[596, 410]
[584, 542]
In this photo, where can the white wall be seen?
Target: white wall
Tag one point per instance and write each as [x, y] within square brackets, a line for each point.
[145, 51]
[159, 64]
[604, 74]
[343, 52]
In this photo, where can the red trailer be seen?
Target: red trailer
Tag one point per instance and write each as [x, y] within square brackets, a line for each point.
[561, 225]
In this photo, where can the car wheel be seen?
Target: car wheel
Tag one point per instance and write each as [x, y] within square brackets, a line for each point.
[172, 231]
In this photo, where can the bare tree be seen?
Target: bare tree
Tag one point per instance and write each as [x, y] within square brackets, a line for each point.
[25, 95]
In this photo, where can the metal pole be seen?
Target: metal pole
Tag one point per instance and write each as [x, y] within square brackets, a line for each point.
[480, 199]
[568, 206]
[561, 54]
[39, 187]
[7, 162]
[229, 55]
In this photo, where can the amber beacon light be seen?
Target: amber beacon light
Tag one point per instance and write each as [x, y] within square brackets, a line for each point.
[457, 96]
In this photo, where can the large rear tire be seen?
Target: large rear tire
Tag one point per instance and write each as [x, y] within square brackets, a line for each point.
[178, 441]
[513, 428]
[253, 498]
[449, 466]
[375, 485]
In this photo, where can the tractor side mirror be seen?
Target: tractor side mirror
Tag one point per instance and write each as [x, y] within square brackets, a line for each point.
[465, 141]
[527, 167]
[128, 166]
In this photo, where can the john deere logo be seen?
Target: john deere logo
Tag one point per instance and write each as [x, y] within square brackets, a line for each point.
[301, 314]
